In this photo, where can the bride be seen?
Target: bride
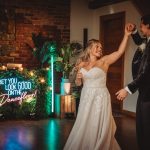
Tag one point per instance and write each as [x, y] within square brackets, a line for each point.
[94, 128]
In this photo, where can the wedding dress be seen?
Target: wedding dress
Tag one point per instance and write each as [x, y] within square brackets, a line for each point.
[94, 128]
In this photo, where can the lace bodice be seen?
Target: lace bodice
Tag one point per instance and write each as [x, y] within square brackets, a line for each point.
[95, 77]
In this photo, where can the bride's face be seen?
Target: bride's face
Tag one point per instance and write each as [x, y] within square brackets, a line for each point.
[97, 50]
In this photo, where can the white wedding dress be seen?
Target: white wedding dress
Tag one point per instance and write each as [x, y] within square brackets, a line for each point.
[94, 128]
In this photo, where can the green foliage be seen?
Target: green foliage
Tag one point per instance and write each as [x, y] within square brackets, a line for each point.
[44, 48]
[43, 105]
[16, 111]
[27, 108]
[8, 111]
[39, 107]
[62, 63]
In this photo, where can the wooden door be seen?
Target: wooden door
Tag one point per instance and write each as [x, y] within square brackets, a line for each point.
[112, 30]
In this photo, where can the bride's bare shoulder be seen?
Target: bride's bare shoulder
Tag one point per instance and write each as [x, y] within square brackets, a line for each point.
[104, 57]
[82, 64]
[103, 61]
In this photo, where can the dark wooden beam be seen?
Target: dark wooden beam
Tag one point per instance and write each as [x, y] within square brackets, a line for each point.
[142, 6]
[100, 3]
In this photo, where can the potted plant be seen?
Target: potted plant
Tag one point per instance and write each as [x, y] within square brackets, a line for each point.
[63, 62]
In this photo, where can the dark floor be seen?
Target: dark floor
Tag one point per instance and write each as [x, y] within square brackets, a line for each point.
[52, 134]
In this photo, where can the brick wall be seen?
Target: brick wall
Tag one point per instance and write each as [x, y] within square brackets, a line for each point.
[27, 17]
[20, 18]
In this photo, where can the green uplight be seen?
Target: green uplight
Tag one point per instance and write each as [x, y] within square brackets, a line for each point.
[52, 75]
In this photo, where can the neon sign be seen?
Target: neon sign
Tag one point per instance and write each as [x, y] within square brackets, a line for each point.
[14, 87]
[4, 98]
[15, 90]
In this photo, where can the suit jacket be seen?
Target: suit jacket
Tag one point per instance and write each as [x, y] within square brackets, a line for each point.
[136, 61]
[142, 81]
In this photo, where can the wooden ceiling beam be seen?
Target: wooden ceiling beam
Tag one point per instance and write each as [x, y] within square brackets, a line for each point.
[142, 6]
[100, 3]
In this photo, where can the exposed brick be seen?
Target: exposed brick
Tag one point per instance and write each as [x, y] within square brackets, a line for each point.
[34, 16]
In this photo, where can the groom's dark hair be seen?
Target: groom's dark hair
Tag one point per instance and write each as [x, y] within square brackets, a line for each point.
[146, 20]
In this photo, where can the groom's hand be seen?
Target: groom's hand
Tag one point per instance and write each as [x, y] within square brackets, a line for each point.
[122, 94]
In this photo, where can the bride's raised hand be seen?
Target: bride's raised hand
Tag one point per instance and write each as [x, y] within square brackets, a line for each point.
[128, 29]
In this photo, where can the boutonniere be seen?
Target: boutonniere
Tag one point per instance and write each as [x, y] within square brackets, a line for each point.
[142, 47]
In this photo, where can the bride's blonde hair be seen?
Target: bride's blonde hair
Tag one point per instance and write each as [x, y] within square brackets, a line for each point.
[85, 55]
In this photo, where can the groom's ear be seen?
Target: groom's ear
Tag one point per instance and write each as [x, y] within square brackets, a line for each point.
[148, 26]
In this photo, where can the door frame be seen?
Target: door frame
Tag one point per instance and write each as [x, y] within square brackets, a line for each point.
[101, 37]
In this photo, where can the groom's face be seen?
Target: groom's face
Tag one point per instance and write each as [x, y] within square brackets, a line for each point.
[144, 28]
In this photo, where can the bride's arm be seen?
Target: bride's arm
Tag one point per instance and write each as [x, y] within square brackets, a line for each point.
[113, 57]
[78, 80]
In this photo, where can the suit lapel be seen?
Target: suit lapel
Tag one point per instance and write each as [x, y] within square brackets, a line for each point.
[144, 57]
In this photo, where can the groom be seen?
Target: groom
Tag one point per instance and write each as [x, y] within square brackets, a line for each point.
[136, 61]
[142, 84]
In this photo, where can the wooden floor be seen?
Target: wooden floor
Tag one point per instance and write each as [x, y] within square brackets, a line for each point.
[51, 134]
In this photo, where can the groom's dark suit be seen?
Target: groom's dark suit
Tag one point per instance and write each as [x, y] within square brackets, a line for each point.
[142, 84]
[136, 61]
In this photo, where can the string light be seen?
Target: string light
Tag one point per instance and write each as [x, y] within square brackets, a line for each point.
[31, 73]
[4, 68]
[42, 80]
[20, 69]
[47, 68]
[49, 88]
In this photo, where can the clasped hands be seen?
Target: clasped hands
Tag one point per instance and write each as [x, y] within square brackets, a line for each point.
[122, 94]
